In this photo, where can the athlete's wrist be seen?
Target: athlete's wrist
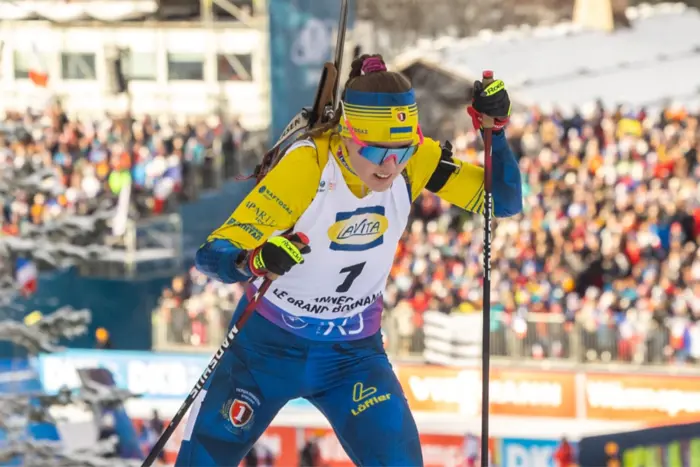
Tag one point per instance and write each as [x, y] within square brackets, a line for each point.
[255, 263]
[241, 262]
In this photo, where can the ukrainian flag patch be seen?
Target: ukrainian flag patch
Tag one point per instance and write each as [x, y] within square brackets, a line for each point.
[400, 133]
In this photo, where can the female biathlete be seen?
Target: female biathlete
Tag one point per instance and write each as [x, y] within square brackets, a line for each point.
[346, 191]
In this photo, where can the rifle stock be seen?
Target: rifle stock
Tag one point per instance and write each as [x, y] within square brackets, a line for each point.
[324, 103]
[328, 92]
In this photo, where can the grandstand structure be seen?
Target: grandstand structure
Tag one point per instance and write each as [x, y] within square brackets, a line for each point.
[173, 57]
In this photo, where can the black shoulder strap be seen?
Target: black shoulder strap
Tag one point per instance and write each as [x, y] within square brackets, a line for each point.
[445, 168]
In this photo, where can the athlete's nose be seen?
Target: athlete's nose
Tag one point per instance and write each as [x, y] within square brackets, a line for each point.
[390, 162]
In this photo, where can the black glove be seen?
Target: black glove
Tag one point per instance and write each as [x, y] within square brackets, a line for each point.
[278, 254]
[492, 101]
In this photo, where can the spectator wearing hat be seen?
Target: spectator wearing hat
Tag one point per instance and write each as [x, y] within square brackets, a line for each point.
[103, 340]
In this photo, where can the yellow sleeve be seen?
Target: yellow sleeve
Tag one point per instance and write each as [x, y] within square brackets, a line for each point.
[276, 203]
[464, 188]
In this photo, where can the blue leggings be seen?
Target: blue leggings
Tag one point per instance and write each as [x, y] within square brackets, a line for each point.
[351, 383]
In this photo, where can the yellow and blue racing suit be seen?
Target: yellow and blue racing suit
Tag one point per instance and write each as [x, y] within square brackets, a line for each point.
[348, 378]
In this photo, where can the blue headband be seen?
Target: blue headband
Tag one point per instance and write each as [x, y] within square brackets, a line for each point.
[380, 99]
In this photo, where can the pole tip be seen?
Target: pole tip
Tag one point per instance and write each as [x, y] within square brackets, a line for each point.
[487, 74]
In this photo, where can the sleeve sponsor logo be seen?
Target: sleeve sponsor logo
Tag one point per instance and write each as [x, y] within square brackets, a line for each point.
[359, 230]
[261, 217]
[250, 229]
[323, 186]
[266, 193]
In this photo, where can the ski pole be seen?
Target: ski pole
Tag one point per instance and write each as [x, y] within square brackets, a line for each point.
[213, 363]
[487, 124]
[192, 396]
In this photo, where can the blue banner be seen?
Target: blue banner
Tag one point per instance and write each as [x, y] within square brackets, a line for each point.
[18, 376]
[529, 452]
[302, 39]
[202, 216]
[123, 307]
[156, 376]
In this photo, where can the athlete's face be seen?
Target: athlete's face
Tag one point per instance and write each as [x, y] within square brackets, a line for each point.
[376, 177]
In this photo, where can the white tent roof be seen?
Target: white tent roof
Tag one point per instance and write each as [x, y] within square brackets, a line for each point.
[657, 59]
[61, 11]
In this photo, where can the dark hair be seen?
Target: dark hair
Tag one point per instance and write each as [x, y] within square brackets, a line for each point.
[375, 81]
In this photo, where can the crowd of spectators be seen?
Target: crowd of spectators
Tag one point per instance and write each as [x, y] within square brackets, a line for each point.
[68, 186]
[53, 167]
[602, 264]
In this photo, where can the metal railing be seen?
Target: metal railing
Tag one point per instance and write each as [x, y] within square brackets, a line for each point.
[149, 247]
[539, 340]
[188, 328]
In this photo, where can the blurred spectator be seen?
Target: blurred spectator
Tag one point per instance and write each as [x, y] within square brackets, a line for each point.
[107, 431]
[148, 434]
[102, 337]
[310, 455]
[156, 426]
[471, 450]
[195, 306]
[564, 455]
[259, 456]
[156, 423]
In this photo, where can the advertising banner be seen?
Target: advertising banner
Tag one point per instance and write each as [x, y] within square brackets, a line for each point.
[280, 441]
[622, 397]
[438, 450]
[156, 376]
[302, 39]
[17, 376]
[641, 397]
[668, 446]
[513, 392]
[530, 452]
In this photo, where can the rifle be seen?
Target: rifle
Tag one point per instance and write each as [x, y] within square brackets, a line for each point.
[325, 103]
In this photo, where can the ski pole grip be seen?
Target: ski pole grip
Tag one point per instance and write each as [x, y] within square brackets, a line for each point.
[300, 245]
[486, 79]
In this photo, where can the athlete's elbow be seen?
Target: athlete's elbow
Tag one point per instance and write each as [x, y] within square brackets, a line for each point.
[509, 209]
[207, 261]
[508, 199]
[507, 187]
